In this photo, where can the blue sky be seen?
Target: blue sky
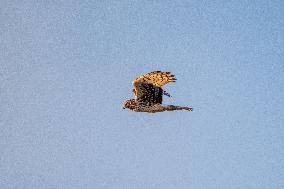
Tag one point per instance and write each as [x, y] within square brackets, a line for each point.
[67, 66]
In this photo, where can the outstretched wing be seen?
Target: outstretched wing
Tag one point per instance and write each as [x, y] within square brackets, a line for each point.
[148, 87]
[156, 78]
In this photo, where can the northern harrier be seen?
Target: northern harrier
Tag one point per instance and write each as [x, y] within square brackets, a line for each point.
[148, 93]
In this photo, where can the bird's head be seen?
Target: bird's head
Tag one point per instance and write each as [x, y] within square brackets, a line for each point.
[130, 104]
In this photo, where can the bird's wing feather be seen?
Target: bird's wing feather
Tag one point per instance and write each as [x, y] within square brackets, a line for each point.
[156, 78]
[151, 84]
[148, 93]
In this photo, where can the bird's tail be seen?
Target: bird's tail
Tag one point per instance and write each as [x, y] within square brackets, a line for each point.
[173, 108]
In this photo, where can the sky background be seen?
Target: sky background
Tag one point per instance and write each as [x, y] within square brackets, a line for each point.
[66, 67]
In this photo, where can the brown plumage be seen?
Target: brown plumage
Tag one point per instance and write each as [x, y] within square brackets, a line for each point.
[148, 93]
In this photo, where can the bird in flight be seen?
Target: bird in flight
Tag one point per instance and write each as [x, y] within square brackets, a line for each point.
[148, 93]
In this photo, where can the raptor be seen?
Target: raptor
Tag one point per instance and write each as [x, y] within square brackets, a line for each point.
[148, 93]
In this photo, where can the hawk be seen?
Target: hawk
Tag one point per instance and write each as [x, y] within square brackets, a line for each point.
[148, 93]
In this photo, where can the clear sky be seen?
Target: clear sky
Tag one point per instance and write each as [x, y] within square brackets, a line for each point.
[67, 66]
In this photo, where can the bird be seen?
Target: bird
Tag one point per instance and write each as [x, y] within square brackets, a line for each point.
[148, 93]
